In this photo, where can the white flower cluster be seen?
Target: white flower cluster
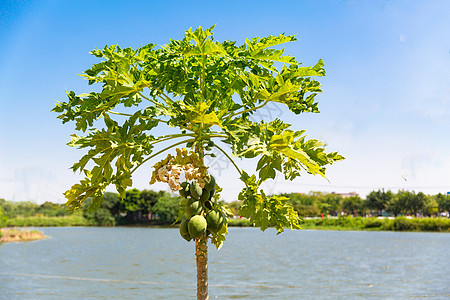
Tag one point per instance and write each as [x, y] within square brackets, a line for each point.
[172, 173]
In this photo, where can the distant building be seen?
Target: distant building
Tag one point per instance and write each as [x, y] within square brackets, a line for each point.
[347, 195]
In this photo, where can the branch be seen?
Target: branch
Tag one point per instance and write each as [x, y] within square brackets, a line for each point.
[167, 98]
[203, 76]
[250, 109]
[146, 98]
[142, 117]
[119, 113]
[231, 85]
[169, 137]
[186, 74]
[218, 135]
[232, 161]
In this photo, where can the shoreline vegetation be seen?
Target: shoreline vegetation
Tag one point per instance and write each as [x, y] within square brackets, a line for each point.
[381, 210]
[426, 224]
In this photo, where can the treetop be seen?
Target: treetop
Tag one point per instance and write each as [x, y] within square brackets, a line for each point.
[209, 91]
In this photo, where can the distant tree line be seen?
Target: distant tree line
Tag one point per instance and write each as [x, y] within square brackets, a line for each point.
[150, 207]
[138, 207]
[376, 203]
[3, 219]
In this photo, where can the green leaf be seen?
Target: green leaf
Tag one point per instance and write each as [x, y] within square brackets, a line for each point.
[265, 212]
[267, 166]
[256, 45]
[219, 237]
[209, 119]
[317, 70]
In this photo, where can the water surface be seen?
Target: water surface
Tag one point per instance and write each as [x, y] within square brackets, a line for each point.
[155, 263]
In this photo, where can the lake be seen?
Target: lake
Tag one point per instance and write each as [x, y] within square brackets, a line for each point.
[156, 263]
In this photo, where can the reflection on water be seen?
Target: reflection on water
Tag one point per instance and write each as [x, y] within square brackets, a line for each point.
[155, 263]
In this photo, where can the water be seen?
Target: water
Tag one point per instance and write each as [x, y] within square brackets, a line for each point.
[155, 263]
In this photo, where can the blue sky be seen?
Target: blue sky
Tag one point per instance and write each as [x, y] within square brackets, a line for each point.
[385, 105]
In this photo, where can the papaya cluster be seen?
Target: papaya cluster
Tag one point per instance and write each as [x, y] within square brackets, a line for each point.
[201, 217]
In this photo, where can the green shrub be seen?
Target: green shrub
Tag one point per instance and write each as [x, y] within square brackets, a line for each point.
[102, 217]
[374, 223]
[434, 224]
[238, 222]
[404, 224]
[3, 218]
[42, 221]
[388, 224]
[424, 224]
[397, 224]
[318, 222]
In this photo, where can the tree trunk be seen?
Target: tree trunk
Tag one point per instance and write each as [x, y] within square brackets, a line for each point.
[201, 255]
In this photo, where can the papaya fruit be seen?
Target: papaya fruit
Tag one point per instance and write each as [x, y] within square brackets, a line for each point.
[193, 207]
[211, 196]
[195, 189]
[197, 226]
[210, 184]
[205, 196]
[184, 231]
[184, 192]
[208, 204]
[186, 236]
[215, 220]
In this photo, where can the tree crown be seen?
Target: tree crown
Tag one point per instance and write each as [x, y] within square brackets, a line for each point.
[209, 91]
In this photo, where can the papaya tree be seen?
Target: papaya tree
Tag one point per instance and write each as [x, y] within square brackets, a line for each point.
[187, 99]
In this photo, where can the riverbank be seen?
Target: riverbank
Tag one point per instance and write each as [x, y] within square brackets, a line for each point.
[380, 224]
[330, 223]
[20, 235]
[372, 224]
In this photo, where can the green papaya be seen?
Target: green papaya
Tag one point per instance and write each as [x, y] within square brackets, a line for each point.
[195, 189]
[186, 236]
[193, 207]
[215, 219]
[184, 231]
[208, 204]
[205, 196]
[197, 226]
[211, 196]
[184, 192]
[210, 184]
